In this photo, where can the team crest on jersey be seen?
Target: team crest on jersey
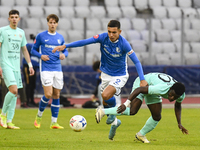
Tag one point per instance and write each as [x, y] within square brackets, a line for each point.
[59, 42]
[20, 35]
[117, 49]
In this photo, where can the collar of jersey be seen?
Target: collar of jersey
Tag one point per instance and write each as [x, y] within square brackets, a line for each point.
[114, 42]
[51, 33]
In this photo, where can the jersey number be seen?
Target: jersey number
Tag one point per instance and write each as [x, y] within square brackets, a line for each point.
[166, 78]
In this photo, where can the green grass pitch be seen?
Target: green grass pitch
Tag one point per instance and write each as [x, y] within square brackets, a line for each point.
[166, 136]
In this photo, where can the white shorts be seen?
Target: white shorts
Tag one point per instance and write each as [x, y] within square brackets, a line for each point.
[52, 78]
[117, 81]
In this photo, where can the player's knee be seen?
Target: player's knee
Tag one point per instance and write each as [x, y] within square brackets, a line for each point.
[48, 95]
[133, 112]
[156, 117]
[105, 96]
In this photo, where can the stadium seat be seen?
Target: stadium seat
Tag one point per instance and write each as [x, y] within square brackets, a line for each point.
[7, 3]
[97, 11]
[141, 4]
[184, 3]
[28, 32]
[162, 59]
[75, 58]
[139, 45]
[133, 35]
[4, 11]
[186, 24]
[195, 24]
[159, 12]
[169, 3]
[157, 47]
[125, 23]
[21, 3]
[111, 3]
[93, 24]
[67, 3]
[168, 47]
[175, 58]
[67, 12]
[4, 22]
[36, 11]
[23, 11]
[51, 10]
[82, 3]
[139, 24]
[189, 12]
[176, 35]
[192, 36]
[156, 24]
[123, 34]
[146, 59]
[191, 59]
[64, 24]
[196, 4]
[145, 36]
[75, 35]
[82, 11]
[93, 48]
[125, 3]
[163, 35]
[77, 24]
[40, 3]
[155, 3]
[174, 12]
[52, 3]
[186, 47]
[128, 11]
[44, 25]
[104, 22]
[33, 23]
[90, 33]
[64, 34]
[195, 47]
[168, 24]
[113, 12]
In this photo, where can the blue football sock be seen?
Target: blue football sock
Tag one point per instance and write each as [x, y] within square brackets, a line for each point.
[111, 102]
[43, 103]
[55, 107]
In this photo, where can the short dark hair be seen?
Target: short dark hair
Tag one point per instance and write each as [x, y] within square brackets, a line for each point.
[52, 16]
[13, 12]
[179, 88]
[114, 23]
[96, 65]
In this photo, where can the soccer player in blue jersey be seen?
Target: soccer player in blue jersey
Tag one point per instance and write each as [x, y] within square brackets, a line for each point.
[12, 41]
[159, 85]
[50, 69]
[114, 50]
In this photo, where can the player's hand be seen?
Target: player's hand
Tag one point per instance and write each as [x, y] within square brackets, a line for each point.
[58, 48]
[45, 57]
[1, 72]
[31, 70]
[121, 108]
[143, 83]
[184, 130]
[62, 56]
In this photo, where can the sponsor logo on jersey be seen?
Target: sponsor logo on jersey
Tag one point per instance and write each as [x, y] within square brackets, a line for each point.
[49, 46]
[106, 46]
[130, 52]
[96, 36]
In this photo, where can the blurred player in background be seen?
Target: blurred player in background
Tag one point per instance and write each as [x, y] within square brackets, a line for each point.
[114, 50]
[12, 39]
[50, 69]
[159, 85]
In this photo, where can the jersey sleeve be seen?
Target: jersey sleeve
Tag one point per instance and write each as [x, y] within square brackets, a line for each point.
[181, 98]
[127, 46]
[159, 89]
[24, 42]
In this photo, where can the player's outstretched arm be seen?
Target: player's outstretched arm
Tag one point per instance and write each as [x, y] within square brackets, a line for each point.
[59, 48]
[133, 95]
[177, 107]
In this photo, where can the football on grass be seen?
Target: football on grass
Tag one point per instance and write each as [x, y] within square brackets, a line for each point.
[78, 123]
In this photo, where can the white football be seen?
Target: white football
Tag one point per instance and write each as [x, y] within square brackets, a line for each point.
[78, 123]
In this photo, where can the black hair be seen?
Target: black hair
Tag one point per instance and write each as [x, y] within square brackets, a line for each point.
[179, 88]
[13, 12]
[114, 23]
[96, 65]
[53, 16]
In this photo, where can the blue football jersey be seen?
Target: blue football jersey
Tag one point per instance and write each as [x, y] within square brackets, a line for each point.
[46, 42]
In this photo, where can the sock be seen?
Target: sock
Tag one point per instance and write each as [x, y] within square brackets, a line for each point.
[111, 102]
[114, 122]
[113, 111]
[55, 109]
[11, 110]
[42, 105]
[149, 126]
[7, 102]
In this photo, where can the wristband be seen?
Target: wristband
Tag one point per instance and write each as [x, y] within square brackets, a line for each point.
[30, 65]
[127, 102]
